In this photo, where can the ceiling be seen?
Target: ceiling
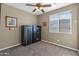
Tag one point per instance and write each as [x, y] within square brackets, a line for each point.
[22, 6]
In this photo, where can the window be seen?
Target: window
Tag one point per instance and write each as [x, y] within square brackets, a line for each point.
[61, 22]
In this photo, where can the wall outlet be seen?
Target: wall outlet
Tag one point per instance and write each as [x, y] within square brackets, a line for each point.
[75, 21]
[58, 40]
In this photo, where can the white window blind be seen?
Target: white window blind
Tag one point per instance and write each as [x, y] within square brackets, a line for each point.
[61, 22]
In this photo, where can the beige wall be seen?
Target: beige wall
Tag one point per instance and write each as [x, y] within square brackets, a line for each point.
[78, 26]
[69, 40]
[9, 37]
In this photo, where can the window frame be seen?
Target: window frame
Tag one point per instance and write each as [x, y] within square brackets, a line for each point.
[71, 18]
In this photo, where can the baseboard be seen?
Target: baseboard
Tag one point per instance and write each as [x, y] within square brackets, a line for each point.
[61, 45]
[9, 47]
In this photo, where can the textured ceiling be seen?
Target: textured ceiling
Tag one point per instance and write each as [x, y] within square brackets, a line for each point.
[22, 6]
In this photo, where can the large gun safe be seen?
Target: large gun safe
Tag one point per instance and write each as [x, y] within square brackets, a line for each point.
[30, 34]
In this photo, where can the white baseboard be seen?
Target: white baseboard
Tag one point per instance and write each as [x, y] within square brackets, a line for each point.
[61, 45]
[9, 47]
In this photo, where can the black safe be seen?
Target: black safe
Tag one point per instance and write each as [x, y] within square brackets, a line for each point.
[30, 34]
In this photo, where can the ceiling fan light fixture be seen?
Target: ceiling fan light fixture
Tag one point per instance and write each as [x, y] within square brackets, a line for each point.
[39, 7]
[36, 7]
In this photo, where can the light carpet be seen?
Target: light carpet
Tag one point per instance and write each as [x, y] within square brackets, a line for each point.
[38, 49]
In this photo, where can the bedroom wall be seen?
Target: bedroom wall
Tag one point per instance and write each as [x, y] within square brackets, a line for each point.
[69, 40]
[78, 26]
[10, 37]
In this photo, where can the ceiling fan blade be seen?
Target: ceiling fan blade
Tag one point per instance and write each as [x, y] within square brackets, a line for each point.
[42, 10]
[34, 10]
[46, 5]
[30, 5]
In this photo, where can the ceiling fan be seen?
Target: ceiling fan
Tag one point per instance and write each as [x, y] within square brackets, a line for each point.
[39, 6]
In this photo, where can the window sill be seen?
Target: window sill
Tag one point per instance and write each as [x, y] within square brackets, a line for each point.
[60, 32]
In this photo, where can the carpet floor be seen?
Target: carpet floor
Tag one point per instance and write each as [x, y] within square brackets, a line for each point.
[38, 49]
